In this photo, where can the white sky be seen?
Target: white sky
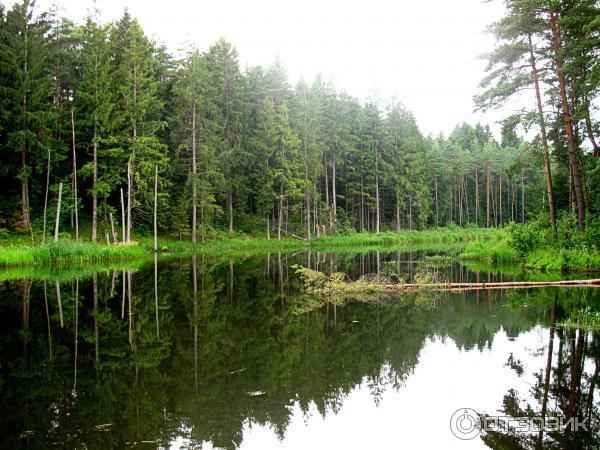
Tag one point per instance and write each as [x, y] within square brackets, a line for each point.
[422, 52]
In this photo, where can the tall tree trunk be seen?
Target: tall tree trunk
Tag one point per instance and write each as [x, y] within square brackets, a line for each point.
[129, 182]
[328, 205]
[437, 203]
[112, 229]
[333, 191]
[500, 197]
[194, 206]
[494, 207]
[94, 182]
[155, 222]
[466, 192]
[568, 122]
[230, 210]
[46, 198]
[523, 196]
[410, 212]
[397, 210]
[542, 124]
[25, 194]
[460, 201]
[124, 238]
[487, 198]
[362, 204]
[75, 176]
[514, 200]
[377, 189]
[477, 197]
[57, 225]
[307, 190]
[280, 213]
[24, 178]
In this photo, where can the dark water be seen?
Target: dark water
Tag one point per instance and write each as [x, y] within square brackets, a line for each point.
[222, 353]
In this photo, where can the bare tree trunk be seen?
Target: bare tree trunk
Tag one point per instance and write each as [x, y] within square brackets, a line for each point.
[123, 216]
[437, 204]
[333, 191]
[466, 192]
[500, 198]
[362, 204]
[112, 229]
[377, 218]
[477, 197]
[460, 201]
[522, 196]
[409, 212]
[129, 181]
[494, 209]
[514, 200]
[56, 227]
[46, 198]
[542, 124]
[155, 208]
[194, 206]
[328, 205]
[397, 210]
[94, 195]
[307, 191]
[75, 176]
[487, 198]
[230, 210]
[571, 145]
[280, 213]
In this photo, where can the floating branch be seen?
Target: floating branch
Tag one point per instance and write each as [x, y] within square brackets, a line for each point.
[318, 283]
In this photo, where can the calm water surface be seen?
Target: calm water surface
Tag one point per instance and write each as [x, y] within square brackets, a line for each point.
[211, 352]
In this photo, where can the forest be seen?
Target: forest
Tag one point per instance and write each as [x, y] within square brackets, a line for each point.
[108, 127]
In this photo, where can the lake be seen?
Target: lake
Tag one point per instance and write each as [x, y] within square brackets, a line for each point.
[213, 352]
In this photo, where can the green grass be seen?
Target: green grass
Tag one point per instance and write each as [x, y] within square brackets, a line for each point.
[491, 252]
[438, 235]
[67, 251]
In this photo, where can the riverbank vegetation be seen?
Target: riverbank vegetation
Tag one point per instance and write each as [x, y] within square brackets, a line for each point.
[69, 251]
[535, 246]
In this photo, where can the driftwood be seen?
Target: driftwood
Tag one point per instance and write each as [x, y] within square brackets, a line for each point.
[482, 286]
[316, 282]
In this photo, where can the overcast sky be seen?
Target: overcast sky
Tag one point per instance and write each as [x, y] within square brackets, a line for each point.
[422, 52]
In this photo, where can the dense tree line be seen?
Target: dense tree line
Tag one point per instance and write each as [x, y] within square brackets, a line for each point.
[102, 114]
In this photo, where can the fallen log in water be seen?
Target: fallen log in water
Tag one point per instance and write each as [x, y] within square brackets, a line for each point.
[318, 283]
[483, 286]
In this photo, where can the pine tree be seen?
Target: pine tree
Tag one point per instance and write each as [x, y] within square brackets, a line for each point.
[26, 96]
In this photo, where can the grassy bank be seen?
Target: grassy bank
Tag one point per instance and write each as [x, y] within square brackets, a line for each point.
[535, 247]
[67, 251]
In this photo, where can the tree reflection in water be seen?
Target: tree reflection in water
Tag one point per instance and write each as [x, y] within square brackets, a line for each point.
[173, 350]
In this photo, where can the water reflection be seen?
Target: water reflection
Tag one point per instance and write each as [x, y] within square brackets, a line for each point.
[206, 350]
